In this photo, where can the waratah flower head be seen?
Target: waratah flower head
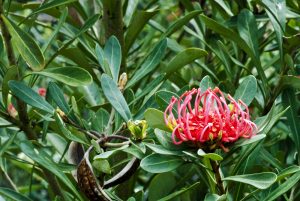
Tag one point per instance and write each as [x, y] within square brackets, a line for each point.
[207, 118]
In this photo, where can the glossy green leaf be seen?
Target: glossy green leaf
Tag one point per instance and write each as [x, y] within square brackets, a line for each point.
[6, 144]
[247, 90]
[115, 97]
[214, 197]
[26, 94]
[11, 74]
[73, 76]
[102, 60]
[183, 58]
[161, 150]
[51, 4]
[13, 195]
[180, 23]
[288, 171]
[244, 141]
[248, 30]
[155, 163]
[26, 46]
[113, 54]
[42, 158]
[165, 139]
[150, 89]
[137, 23]
[61, 22]
[212, 156]
[58, 97]
[206, 83]
[155, 119]
[149, 64]
[284, 187]
[107, 154]
[261, 180]
[289, 100]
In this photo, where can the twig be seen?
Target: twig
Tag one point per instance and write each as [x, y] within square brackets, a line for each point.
[215, 166]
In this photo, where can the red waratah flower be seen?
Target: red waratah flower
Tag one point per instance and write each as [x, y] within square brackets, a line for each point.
[42, 92]
[206, 118]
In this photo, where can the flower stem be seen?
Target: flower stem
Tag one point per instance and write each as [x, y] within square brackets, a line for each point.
[216, 169]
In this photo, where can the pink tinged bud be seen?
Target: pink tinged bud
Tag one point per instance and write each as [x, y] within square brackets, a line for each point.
[212, 118]
[42, 92]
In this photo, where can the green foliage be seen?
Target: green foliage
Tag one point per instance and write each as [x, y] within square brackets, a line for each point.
[104, 65]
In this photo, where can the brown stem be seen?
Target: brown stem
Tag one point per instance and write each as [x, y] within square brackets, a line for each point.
[216, 169]
[113, 24]
[7, 39]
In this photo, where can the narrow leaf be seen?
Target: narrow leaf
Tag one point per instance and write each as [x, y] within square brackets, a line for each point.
[26, 45]
[73, 76]
[115, 97]
[26, 94]
[247, 90]
[183, 58]
[261, 180]
[113, 54]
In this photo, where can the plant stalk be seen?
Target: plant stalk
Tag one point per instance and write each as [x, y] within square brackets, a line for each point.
[216, 169]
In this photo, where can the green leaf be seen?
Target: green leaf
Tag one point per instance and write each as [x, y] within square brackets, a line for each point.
[233, 36]
[115, 97]
[183, 58]
[165, 139]
[161, 150]
[13, 195]
[206, 83]
[61, 22]
[26, 94]
[180, 192]
[51, 4]
[150, 89]
[26, 46]
[276, 11]
[155, 119]
[161, 185]
[284, 187]
[102, 60]
[73, 76]
[107, 154]
[247, 90]
[214, 197]
[11, 74]
[180, 23]
[100, 120]
[155, 163]
[211, 156]
[261, 180]
[288, 171]
[113, 54]
[42, 158]
[150, 63]
[68, 134]
[290, 81]
[163, 98]
[244, 141]
[102, 166]
[5, 145]
[58, 97]
[137, 23]
[289, 100]
[248, 30]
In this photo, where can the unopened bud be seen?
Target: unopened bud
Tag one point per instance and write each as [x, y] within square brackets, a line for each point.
[137, 129]
[122, 81]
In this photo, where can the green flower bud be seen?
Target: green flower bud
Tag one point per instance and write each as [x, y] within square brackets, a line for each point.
[137, 129]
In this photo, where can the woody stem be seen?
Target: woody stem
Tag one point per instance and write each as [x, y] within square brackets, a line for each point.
[216, 169]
